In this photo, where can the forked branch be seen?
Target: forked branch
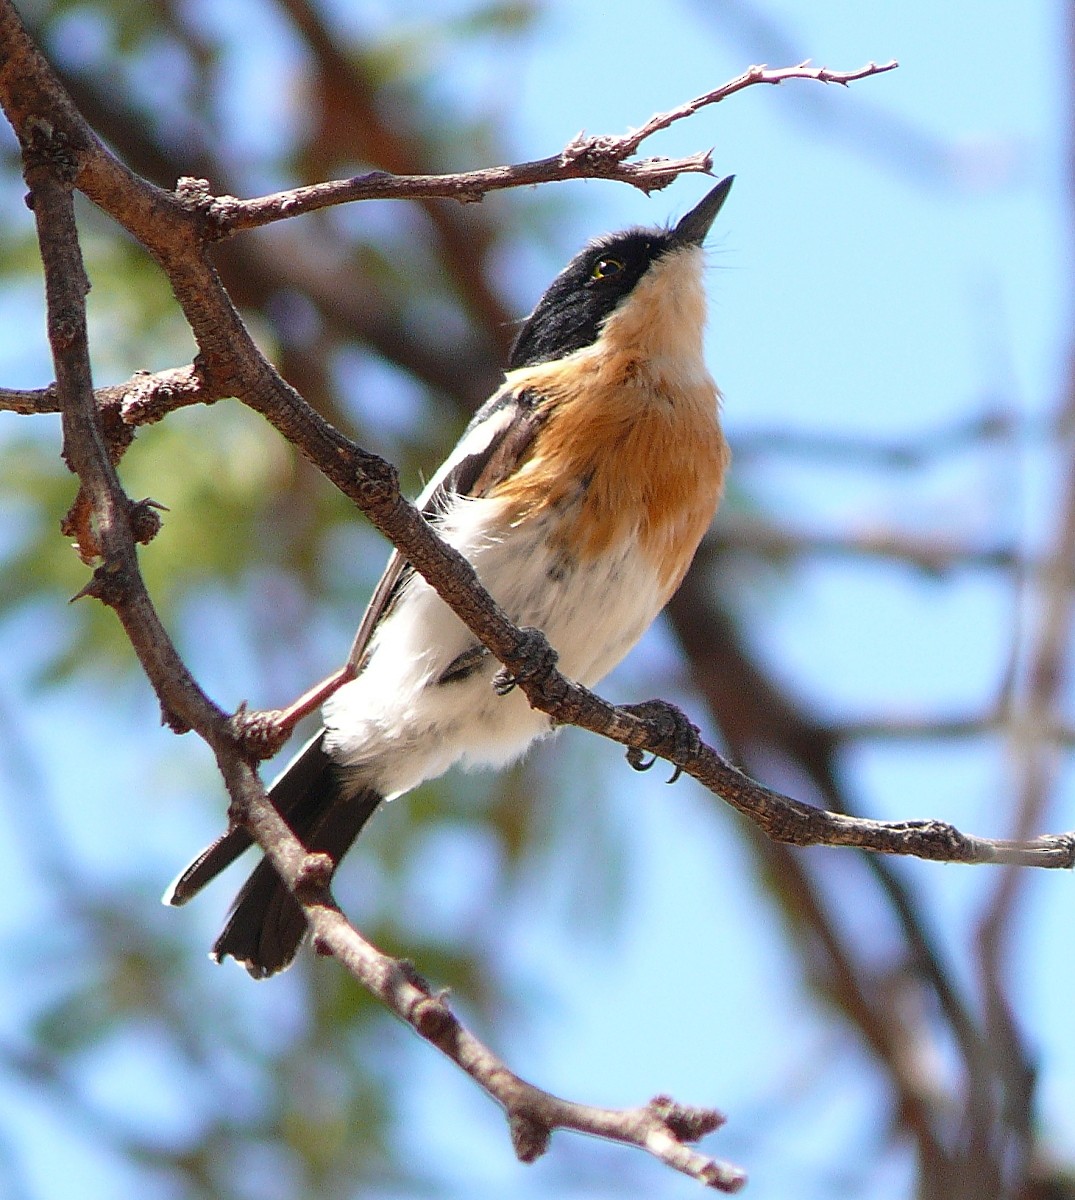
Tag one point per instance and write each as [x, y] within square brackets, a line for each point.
[607, 156]
[62, 153]
[663, 1127]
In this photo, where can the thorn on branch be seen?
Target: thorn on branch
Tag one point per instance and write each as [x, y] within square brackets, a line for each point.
[313, 876]
[685, 1122]
[145, 520]
[171, 720]
[530, 1137]
[432, 1017]
[109, 584]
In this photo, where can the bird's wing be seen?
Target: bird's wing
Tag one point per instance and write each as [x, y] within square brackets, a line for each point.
[492, 447]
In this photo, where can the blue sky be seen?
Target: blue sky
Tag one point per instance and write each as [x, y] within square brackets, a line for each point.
[893, 258]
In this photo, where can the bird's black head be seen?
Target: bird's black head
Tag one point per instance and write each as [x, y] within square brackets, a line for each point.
[570, 314]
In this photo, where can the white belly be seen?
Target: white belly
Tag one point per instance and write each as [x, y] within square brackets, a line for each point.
[397, 724]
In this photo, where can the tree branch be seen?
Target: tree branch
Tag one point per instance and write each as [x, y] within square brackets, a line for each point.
[837, 449]
[231, 362]
[143, 400]
[931, 554]
[663, 1127]
[600, 157]
[104, 521]
[751, 76]
[62, 152]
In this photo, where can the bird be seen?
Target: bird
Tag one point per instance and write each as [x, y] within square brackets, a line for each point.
[579, 493]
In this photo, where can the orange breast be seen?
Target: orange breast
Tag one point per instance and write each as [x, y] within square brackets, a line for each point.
[627, 452]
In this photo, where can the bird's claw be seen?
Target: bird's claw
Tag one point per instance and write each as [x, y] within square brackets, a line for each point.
[538, 660]
[260, 732]
[678, 736]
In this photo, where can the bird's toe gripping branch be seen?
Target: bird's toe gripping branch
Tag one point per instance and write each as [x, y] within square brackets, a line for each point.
[678, 737]
[535, 660]
[262, 732]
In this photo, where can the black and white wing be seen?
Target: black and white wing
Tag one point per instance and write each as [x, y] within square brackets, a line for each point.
[496, 441]
[494, 444]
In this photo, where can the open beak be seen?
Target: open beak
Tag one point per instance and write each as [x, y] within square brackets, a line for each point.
[692, 228]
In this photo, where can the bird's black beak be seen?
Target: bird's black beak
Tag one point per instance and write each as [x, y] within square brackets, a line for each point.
[692, 228]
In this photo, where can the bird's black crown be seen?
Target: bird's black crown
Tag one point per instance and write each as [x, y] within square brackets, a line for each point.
[570, 314]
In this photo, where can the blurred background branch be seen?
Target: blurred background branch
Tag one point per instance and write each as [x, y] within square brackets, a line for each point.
[915, 1060]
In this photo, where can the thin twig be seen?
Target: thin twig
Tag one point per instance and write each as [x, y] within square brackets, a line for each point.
[64, 152]
[30, 402]
[835, 449]
[145, 398]
[585, 157]
[230, 360]
[931, 554]
[750, 77]
[663, 1127]
[901, 727]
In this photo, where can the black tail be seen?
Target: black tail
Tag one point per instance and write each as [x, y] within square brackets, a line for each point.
[266, 925]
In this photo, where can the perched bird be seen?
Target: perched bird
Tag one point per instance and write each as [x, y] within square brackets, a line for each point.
[579, 492]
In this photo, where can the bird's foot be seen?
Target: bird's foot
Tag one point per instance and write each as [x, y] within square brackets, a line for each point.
[537, 661]
[677, 736]
[262, 732]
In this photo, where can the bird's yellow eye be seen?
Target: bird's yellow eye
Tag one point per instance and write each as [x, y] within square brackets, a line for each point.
[605, 267]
